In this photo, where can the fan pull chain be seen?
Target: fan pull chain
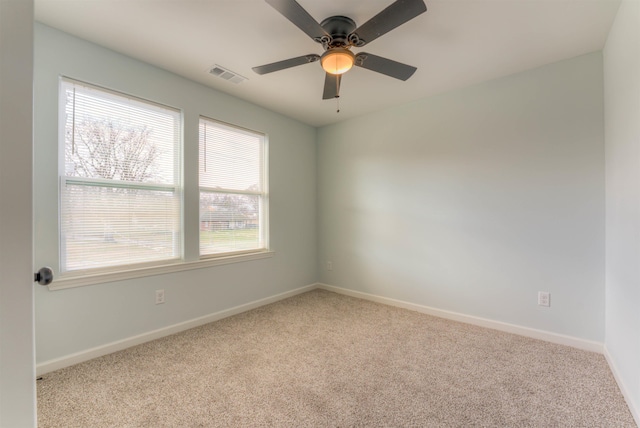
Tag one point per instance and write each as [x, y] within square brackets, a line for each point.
[337, 94]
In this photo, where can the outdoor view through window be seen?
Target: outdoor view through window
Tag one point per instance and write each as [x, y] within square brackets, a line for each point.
[120, 181]
[121, 198]
[233, 196]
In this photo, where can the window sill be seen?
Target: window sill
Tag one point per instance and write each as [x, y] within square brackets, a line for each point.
[99, 278]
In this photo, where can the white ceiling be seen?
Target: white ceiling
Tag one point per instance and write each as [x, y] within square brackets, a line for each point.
[454, 44]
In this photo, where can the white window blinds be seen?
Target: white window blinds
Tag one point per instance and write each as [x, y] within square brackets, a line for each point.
[120, 180]
[233, 189]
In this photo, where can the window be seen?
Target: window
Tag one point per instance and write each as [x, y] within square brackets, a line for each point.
[120, 181]
[121, 207]
[233, 190]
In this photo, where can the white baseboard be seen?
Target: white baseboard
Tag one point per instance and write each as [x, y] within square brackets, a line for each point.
[633, 408]
[79, 357]
[468, 319]
[510, 328]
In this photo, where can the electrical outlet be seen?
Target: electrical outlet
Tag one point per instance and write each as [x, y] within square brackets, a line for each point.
[159, 297]
[329, 265]
[544, 298]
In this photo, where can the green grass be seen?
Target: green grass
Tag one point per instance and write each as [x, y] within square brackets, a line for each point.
[228, 240]
[241, 235]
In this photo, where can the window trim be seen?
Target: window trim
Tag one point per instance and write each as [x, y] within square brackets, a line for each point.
[177, 187]
[100, 275]
[82, 278]
[264, 194]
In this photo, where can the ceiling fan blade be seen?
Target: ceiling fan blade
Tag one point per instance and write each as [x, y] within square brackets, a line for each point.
[393, 16]
[295, 13]
[287, 63]
[331, 86]
[385, 66]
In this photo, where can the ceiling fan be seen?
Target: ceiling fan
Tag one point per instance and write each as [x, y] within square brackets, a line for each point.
[338, 34]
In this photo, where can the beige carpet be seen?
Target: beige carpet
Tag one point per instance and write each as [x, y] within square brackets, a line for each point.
[326, 360]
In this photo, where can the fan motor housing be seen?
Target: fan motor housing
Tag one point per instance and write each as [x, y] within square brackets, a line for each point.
[339, 27]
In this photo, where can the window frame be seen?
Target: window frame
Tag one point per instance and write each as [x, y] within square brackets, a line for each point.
[263, 195]
[79, 278]
[176, 187]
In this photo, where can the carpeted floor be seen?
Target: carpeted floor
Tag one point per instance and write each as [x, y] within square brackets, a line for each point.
[326, 360]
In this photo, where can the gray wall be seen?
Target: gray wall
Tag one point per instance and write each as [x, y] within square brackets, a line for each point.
[475, 200]
[622, 139]
[74, 320]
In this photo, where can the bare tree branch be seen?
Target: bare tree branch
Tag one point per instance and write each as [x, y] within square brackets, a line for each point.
[110, 150]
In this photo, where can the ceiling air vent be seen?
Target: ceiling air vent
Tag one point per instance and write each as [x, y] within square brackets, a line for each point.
[226, 74]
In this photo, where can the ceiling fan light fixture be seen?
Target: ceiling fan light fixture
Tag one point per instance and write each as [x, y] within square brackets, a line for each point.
[337, 60]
